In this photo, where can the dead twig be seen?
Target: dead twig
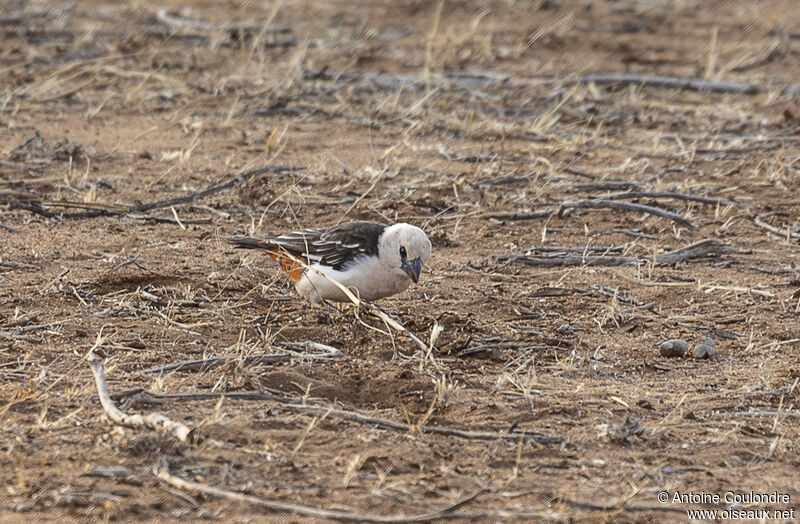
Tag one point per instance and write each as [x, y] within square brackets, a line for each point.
[16, 265]
[521, 216]
[691, 84]
[166, 220]
[605, 185]
[216, 188]
[564, 249]
[601, 231]
[704, 248]
[162, 471]
[4, 164]
[760, 414]
[786, 233]
[182, 22]
[779, 271]
[203, 32]
[486, 347]
[207, 363]
[96, 210]
[47, 12]
[512, 179]
[628, 206]
[622, 297]
[352, 416]
[138, 395]
[155, 421]
[676, 196]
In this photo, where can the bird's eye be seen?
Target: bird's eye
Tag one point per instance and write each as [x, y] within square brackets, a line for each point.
[403, 253]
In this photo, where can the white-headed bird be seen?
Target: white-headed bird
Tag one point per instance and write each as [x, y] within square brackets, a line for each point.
[374, 259]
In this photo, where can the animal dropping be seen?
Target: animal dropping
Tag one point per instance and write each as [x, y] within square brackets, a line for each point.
[705, 350]
[674, 348]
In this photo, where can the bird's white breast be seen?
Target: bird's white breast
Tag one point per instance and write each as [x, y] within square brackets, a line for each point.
[368, 276]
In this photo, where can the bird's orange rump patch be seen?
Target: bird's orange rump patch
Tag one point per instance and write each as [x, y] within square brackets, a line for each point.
[288, 263]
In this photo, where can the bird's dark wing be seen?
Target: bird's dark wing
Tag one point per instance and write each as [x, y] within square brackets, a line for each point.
[334, 246]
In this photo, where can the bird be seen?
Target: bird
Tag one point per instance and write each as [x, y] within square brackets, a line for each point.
[375, 260]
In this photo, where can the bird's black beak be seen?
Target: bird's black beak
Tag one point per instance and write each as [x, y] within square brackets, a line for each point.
[412, 268]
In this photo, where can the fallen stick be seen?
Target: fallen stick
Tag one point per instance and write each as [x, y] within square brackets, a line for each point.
[207, 363]
[564, 249]
[632, 232]
[600, 203]
[478, 349]
[352, 416]
[676, 196]
[182, 22]
[605, 185]
[414, 83]
[139, 395]
[520, 216]
[47, 12]
[16, 265]
[216, 188]
[117, 210]
[165, 220]
[780, 271]
[691, 84]
[162, 472]
[512, 179]
[621, 296]
[760, 414]
[707, 247]
[14, 165]
[788, 233]
[155, 421]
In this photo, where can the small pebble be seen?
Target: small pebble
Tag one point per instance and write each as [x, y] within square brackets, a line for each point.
[674, 348]
[704, 350]
[563, 328]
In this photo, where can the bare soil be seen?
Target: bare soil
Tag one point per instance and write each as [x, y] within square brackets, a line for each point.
[473, 122]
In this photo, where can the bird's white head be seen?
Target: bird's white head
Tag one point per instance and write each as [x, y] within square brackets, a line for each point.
[405, 248]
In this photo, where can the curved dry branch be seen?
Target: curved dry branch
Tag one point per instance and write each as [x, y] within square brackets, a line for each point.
[162, 472]
[691, 84]
[704, 248]
[787, 233]
[140, 395]
[181, 22]
[155, 421]
[96, 210]
[628, 206]
[676, 196]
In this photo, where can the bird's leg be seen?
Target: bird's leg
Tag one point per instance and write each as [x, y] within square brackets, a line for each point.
[385, 311]
[332, 309]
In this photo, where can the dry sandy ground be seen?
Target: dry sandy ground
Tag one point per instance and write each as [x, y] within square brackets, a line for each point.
[474, 120]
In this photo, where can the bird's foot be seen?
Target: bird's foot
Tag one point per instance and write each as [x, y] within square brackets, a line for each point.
[331, 308]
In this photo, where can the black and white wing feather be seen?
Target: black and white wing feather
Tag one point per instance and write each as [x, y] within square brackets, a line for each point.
[335, 246]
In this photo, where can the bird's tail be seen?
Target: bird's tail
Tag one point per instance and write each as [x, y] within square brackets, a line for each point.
[251, 243]
[285, 260]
